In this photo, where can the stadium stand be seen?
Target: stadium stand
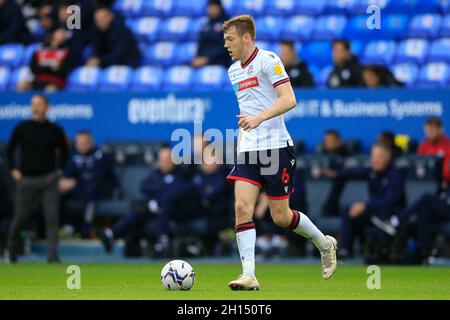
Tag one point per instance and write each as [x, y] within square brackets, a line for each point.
[167, 32]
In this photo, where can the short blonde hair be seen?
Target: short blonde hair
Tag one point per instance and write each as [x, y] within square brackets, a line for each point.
[243, 24]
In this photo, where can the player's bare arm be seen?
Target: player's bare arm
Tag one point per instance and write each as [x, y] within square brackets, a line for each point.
[285, 102]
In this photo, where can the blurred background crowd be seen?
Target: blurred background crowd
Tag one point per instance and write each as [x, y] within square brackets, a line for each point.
[149, 45]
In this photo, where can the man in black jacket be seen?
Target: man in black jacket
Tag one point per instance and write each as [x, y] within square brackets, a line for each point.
[113, 42]
[41, 143]
[88, 177]
[210, 47]
[296, 69]
[336, 150]
[347, 70]
[12, 24]
[386, 197]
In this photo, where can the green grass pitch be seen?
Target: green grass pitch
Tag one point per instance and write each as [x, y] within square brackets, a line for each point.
[278, 281]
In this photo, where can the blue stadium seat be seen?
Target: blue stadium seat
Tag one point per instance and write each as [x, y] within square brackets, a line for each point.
[412, 50]
[161, 54]
[115, 78]
[84, 79]
[11, 55]
[310, 7]
[318, 52]
[356, 28]
[360, 6]
[445, 6]
[440, 50]
[35, 28]
[178, 78]
[29, 51]
[393, 26]
[358, 47]
[21, 74]
[379, 52]
[265, 45]
[329, 27]
[315, 71]
[425, 25]
[298, 28]
[230, 6]
[340, 6]
[276, 47]
[210, 77]
[404, 6]
[145, 29]
[176, 29]
[252, 7]
[321, 80]
[159, 8]
[5, 74]
[431, 6]
[413, 6]
[190, 8]
[129, 8]
[445, 28]
[185, 52]
[280, 7]
[406, 73]
[269, 28]
[434, 74]
[147, 78]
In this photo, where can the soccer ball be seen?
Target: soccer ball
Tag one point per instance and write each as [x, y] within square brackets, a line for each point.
[177, 275]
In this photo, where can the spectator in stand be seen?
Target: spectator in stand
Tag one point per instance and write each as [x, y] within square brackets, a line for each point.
[335, 149]
[47, 14]
[347, 70]
[112, 43]
[436, 143]
[44, 152]
[50, 65]
[77, 39]
[13, 28]
[88, 177]
[214, 202]
[296, 69]
[386, 198]
[165, 191]
[333, 145]
[431, 210]
[210, 46]
[376, 76]
[387, 138]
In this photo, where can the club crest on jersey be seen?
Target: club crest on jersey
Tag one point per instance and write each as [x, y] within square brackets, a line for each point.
[246, 84]
[286, 189]
[250, 70]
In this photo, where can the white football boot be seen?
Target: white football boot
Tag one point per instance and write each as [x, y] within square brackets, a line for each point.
[329, 261]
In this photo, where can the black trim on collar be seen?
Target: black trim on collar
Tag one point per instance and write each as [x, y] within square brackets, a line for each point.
[255, 52]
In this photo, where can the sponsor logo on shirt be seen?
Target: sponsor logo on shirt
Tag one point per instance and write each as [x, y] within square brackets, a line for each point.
[246, 84]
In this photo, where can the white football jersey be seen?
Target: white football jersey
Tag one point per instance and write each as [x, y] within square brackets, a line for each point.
[254, 84]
